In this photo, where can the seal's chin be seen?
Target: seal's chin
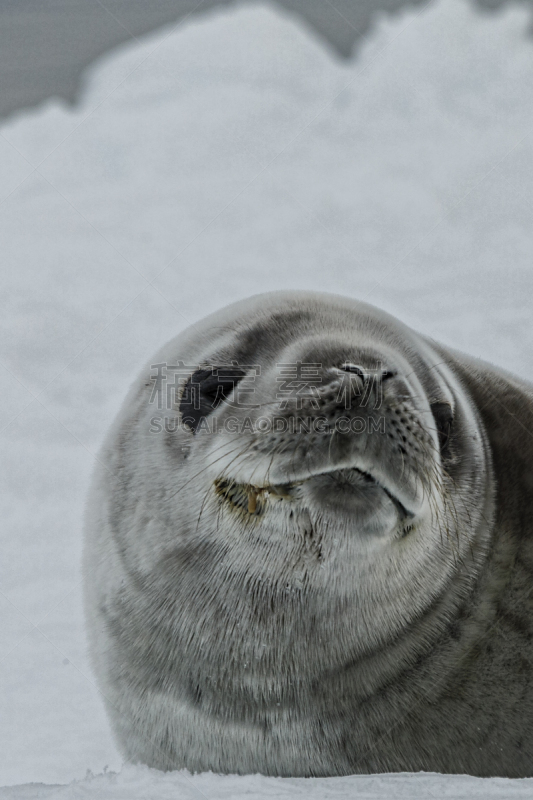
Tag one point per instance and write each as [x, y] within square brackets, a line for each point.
[344, 489]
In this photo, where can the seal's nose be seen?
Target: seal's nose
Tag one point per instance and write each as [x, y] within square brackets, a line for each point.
[358, 385]
[382, 373]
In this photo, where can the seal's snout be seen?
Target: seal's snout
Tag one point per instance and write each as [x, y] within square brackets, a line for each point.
[344, 434]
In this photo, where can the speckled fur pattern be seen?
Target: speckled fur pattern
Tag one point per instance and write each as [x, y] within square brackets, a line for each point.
[307, 603]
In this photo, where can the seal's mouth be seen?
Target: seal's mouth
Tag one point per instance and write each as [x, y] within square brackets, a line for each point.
[254, 499]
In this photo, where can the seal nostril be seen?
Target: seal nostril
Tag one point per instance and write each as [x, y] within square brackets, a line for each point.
[354, 369]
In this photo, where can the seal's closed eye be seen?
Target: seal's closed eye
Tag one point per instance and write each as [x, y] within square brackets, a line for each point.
[205, 390]
[443, 415]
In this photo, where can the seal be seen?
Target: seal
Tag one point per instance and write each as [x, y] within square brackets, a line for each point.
[309, 553]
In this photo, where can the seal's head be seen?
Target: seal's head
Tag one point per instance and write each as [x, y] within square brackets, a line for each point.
[316, 452]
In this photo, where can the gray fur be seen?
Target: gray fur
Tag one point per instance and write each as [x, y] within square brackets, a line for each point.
[325, 631]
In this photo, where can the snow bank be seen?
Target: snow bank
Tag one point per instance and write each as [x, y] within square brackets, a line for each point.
[227, 157]
[140, 783]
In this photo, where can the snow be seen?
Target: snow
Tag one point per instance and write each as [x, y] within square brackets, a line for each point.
[141, 783]
[225, 157]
